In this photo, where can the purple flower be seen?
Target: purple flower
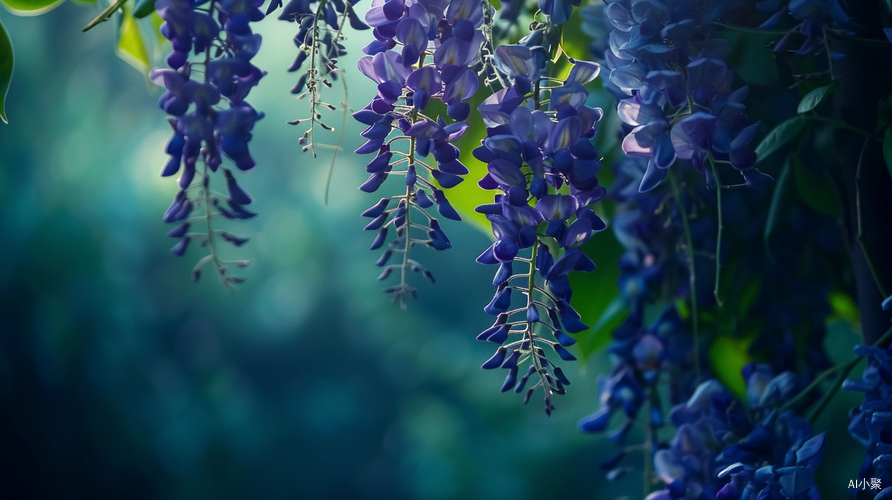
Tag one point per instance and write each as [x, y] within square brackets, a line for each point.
[202, 130]
[440, 45]
[556, 150]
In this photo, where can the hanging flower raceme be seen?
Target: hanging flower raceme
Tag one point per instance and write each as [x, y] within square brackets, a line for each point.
[688, 465]
[675, 92]
[319, 39]
[439, 44]
[210, 118]
[643, 357]
[534, 148]
[871, 424]
[725, 451]
[814, 19]
[778, 456]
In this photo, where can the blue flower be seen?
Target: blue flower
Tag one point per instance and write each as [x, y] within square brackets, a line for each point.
[814, 17]
[674, 93]
[870, 424]
[202, 130]
[448, 33]
[530, 155]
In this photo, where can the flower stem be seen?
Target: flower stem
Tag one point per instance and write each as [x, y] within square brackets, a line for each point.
[206, 181]
[408, 227]
[860, 236]
[692, 274]
[829, 53]
[718, 241]
[837, 123]
[334, 155]
[531, 286]
[212, 244]
[648, 445]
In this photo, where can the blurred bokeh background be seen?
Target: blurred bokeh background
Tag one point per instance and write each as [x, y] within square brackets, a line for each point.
[120, 378]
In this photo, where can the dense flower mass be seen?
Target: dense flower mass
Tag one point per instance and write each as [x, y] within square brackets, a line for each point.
[870, 424]
[538, 140]
[675, 92]
[202, 130]
[440, 45]
[813, 19]
[730, 451]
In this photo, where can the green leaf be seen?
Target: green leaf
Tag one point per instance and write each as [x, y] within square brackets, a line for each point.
[814, 98]
[143, 8]
[751, 62]
[496, 4]
[780, 200]
[782, 134]
[611, 313]
[131, 46]
[843, 306]
[467, 196]
[815, 189]
[887, 149]
[575, 42]
[30, 7]
[595, 294]
[7, 62]
[727, 356]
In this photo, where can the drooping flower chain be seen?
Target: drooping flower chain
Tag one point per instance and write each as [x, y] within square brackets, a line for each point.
[439, 46]
[319, 40]
[222, 37]
[727, 451]
[531, 153]
[814, 18]
[652, 231]
[675, 92]
[870, 422]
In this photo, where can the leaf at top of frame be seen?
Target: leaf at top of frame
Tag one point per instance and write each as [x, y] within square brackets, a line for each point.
[131, 45]
[30, 7]
[143, 8]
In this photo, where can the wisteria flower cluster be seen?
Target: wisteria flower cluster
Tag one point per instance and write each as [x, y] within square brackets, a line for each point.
[440, 44]
[319, 40]
[642, 355]
[871, 422]
[533, 148]
[676, 95]
[655, 267]
[725, 450]
[220, 32]
[813, 18]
